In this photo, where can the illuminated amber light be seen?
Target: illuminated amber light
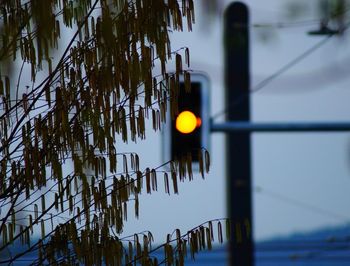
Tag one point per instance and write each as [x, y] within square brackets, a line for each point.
[186, 122]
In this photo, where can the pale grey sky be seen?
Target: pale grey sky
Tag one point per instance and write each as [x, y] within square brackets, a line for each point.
[304, 178]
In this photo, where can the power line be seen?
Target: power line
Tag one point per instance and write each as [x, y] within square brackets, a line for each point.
[279, 72]
[301, 204]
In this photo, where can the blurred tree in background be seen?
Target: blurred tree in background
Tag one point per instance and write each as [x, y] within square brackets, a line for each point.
[330, 15]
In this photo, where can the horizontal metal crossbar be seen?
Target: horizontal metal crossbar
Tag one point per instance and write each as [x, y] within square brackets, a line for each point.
[280, 127]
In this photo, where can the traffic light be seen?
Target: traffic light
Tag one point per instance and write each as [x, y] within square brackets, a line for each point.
[189, 131]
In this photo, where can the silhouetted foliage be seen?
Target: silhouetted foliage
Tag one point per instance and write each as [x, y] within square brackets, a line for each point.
[62, 117]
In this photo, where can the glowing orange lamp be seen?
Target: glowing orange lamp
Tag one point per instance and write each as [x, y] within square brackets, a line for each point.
[187, 122]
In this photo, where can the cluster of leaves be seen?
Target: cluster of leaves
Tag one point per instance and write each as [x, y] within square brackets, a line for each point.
[102, 87]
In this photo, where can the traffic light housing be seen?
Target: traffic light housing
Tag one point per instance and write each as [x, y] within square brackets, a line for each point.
[189, 131]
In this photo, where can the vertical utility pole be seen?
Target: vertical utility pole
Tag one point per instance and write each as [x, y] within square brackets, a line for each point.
[236, 41]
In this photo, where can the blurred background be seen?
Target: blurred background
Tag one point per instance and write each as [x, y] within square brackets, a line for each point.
[301, 181]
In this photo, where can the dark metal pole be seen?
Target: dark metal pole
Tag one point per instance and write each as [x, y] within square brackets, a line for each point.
[236, 41]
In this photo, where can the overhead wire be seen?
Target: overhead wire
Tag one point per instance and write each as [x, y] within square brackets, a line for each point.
[262, 84]
[302, 204]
